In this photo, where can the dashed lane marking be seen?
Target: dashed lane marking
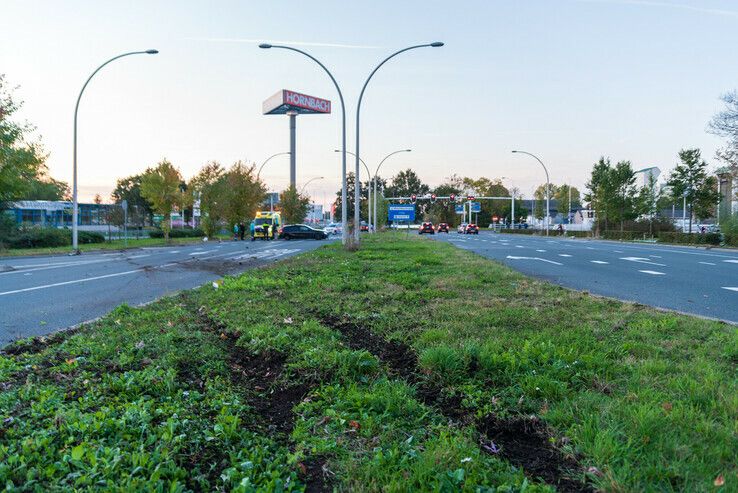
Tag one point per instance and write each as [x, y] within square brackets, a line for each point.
[542, 251]
[599, 262]
[707, 263]
[641, 260]
[564, 255]
[731, 261]
[653, 272]
[511, 257]
[730, 288]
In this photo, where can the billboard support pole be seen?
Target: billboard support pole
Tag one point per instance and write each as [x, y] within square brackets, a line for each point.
[293, 145]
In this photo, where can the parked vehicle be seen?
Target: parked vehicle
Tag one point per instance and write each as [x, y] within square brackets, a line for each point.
[442, 228]
[301, 232]
[426, 227]
[363, 226]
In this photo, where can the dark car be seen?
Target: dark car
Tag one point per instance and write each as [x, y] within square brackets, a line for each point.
[426, 228]
[301, 231]
[442, 228]
[472, 229]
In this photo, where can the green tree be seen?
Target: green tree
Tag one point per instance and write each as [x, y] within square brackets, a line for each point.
[562, 197]
[208, 185]
[623, 200]
[160, 187]
[129, 189]
[350, 185]
[647, 202]
[23, 172]
[689, 179]
[240, 194]
[598, 188]
[443, 211]
[406, 183]
[294, 205]
[539, 210]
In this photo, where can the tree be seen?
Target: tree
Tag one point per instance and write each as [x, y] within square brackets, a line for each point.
[690, 180]
[444, 211]
[23, 171]
[97, 199]
[623, 200]
[240, 194]
[539, 211]
[561, 195]
[350, 186]
[725, 122]
[129, 189]
[47, 188]
[406, 183]
[294, 205]
[160, 187]
[598, 188]
[647, 203]
[208, 185]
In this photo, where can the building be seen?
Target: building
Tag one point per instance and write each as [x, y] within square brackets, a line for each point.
[58, 214]
[314, 214]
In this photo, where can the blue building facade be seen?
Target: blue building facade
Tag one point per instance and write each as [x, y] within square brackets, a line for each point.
[57, 214]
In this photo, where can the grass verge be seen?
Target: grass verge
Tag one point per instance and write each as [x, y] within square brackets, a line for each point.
[408, 365]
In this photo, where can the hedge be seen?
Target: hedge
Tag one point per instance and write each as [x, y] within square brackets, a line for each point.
[671, 237]
[49, 237]
[178, 233]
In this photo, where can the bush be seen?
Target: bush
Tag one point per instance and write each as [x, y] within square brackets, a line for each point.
[690, 239]
[49, 237]
[657, 225]
[624, 235]
[178, 233]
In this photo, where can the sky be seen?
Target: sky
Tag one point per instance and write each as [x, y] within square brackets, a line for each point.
[567, 80]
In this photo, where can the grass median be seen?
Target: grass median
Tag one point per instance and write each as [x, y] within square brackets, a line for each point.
[408, 365]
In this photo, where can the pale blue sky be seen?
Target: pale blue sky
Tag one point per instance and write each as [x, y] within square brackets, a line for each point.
[569, 80]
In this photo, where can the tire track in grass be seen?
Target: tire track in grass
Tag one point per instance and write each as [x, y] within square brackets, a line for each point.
[522, 442]
[275, 400]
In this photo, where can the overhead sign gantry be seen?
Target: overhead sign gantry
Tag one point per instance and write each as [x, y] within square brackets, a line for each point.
[286, 102]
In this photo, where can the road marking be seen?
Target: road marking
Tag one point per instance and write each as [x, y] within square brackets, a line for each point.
[56, 266]
[618, 251]
[652, 272]
[731, 261]
[641, 260]
[564, 255]
[203, 253]
[174, 251]
[707, 263]
[599, 262]
[590, 248]
[534, 258]
[542, 251]
[730, 288]
[140, 256]
[655, 256]
[519, 246]
[76, 281]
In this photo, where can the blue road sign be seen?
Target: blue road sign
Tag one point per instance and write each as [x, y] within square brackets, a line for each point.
[462, 208]
[401, 212]
[459, 208]
[476, 206]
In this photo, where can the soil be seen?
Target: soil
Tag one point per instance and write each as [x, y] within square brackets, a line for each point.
[522, 441]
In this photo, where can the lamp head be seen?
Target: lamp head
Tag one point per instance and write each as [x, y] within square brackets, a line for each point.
[265, 46]
[408, 150]
[436, 44]
[514, 152]
[152, 52]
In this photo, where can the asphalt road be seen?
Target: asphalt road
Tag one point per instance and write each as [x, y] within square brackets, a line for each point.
[691, 280]
[40, 295]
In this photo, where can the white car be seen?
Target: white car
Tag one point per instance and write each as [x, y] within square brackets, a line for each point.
[333, 228]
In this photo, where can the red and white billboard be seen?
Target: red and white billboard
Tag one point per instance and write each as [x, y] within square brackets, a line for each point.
[286, 101]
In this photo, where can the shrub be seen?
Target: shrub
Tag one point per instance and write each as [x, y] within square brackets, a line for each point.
[178, 233]
[87, 237]
[40, 237]
[690, 239]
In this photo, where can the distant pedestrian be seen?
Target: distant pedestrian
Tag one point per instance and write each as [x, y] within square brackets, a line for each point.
[235, 232]
[241, 230]
[561, 229]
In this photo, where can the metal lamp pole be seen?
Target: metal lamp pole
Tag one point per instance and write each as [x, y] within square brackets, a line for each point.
[357, 192]
[548, 186]
[376, 173]
[369, 174]
[302, 189]
[258, 173]
[344, 216]
[75, 245]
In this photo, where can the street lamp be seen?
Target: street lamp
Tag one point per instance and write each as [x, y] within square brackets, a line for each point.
[309, 181]
[75, 247]
[258, 173]
[376, 173]
[357, 191]
[548, 186]
[344, 217]
[369, 174]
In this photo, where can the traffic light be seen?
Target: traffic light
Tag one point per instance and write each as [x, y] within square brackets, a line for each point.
[452, 197]
[433, 198]
[470, 198]
[413, 198]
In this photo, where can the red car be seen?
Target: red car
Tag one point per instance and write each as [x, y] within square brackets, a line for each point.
[442, 228]
[471, 229]
[426, 228]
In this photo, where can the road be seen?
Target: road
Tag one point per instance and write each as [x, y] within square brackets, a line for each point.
[40, 295]
[690, 280]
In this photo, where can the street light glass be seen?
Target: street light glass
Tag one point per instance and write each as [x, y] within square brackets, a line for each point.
[265, 46]
[152, 52]
[436, 44]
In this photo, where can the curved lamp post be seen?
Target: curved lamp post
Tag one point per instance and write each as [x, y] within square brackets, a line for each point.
[376, 173]
[357, 179]
[302, 189]
[548, 186]
[357, 192]
[267, 160]
[344, 217]
[75, 246]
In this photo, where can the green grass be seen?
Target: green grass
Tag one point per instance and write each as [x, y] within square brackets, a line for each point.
[108, 245]
[187, 393]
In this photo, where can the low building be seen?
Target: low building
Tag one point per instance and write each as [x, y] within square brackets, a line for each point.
[58, 214]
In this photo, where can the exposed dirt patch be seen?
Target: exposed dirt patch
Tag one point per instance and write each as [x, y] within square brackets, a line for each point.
[525, 443]
[37, 344]
[315, 475]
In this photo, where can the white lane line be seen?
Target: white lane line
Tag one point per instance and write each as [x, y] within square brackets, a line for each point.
[76, 281]
[173, 251]
[590, 248]
[729, 288]
[731, 261]
[564, 255]
[55, 266]
[641, 260]
[653, 272]
[139, 256]
[655, 256]
[599, 262]
[511, 257]
[203, 253]
[707, 263]
[519, 246]
[618, 251]
[542, 251]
